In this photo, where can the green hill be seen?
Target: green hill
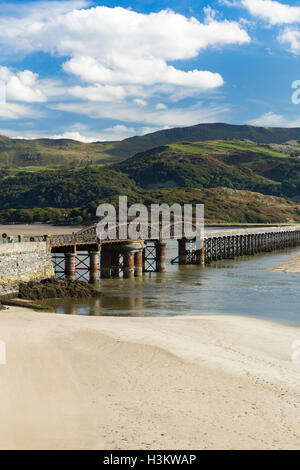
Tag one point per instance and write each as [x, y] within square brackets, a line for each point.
[233, 164]
[52, 153]
[65, 153]
[237, 180]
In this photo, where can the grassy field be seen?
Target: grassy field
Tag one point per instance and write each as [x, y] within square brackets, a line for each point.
[226, 147]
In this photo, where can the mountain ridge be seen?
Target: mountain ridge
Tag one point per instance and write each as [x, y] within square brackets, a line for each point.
[68, 153]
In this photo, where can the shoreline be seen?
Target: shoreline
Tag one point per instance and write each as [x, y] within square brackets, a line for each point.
[292, 265]
[203, 382]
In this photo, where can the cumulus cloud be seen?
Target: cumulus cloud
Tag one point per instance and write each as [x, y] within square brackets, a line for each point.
[117, 46]
[117, 132]
[125, 60]
[75, 135]
[16, 111]
[276, 13]
[101, 32]
[272, 11]
[22, 86]
[291, 38]
[268, 120]
[271, 119]
[140, 71]
[161, 106]
[98, 92]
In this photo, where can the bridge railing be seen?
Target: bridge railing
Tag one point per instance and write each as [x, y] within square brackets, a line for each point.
[87, 235]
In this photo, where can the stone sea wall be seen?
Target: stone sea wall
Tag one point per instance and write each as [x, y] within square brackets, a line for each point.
[22, 262]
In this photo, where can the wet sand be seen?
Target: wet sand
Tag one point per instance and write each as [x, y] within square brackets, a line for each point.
[290, 266]
[75, 382]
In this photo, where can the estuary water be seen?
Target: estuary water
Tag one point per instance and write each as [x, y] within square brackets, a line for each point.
[243, 286]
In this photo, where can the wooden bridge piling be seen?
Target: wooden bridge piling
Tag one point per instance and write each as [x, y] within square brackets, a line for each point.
[220, 247]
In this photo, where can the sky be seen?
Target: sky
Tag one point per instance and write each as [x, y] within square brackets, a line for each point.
[106, 70]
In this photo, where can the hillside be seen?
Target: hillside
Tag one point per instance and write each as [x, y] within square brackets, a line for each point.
[233, 164]
[236, 180]
[65, 153]
[214, 131]
[52, 153]
[62, 188]
[222, 205]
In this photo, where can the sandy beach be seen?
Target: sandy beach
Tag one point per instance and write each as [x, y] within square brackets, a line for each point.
[220, 382]
[290, 266]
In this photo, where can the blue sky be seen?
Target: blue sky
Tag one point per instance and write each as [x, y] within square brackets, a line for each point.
[94, 70]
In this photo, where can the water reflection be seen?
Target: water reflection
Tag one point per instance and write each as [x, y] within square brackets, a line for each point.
[241, 286]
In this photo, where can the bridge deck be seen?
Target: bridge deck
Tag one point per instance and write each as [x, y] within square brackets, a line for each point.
[89, 236]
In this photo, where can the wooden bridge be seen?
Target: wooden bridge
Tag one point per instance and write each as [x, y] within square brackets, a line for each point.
[76, 254]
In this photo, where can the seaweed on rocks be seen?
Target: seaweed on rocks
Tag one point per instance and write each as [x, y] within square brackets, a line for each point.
[56, 289]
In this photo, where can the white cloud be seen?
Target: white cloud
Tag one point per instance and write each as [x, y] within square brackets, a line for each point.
[41, 9]
[271, 119]
[272, 11]
[291, 37]
[83, 134]
[16, 111]
[128, 112]
[140, 71]
[121, 47]
[98, 92]
[230, 3]
[75, 135]
[117, 132]
[140, 102]
[268, 120]
[276, 13]
[116, 57]
[161, 106]
[103, 32]
[22, 86]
